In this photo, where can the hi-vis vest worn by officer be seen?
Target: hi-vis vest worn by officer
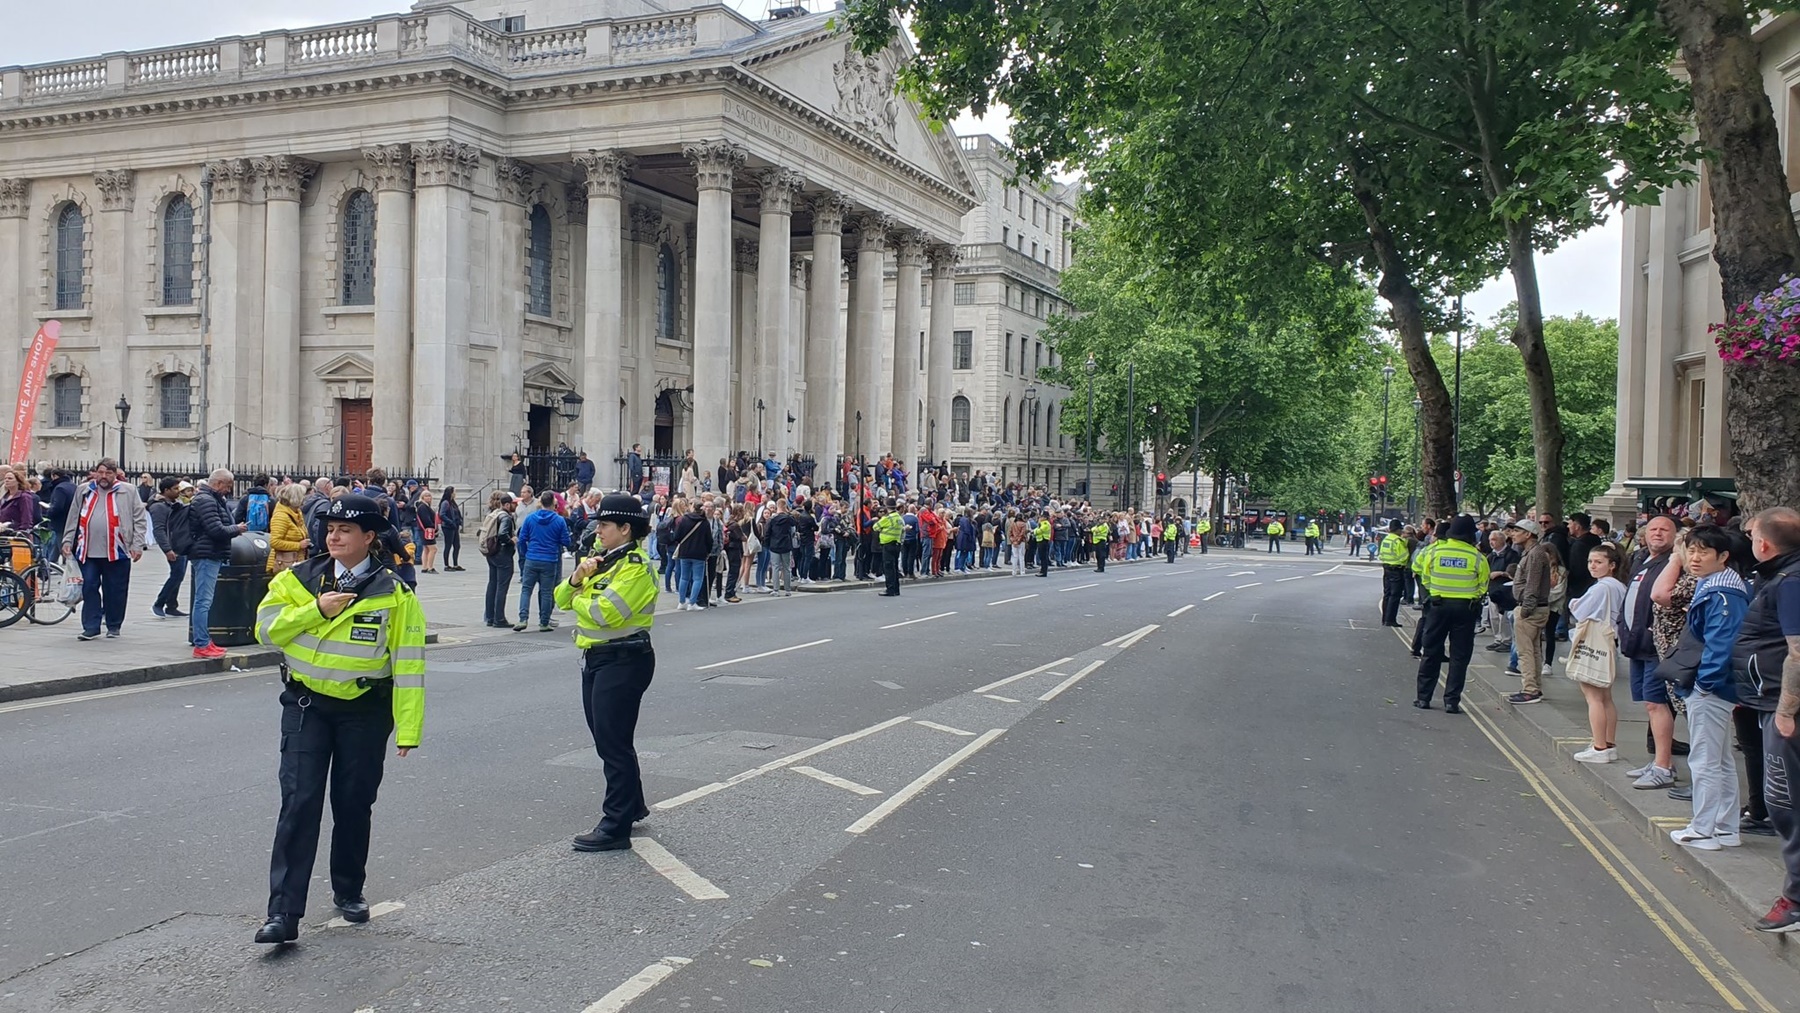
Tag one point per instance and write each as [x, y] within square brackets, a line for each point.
[1393, 550]
[1171, 531]
[1452, 569]
[1276, 529]
[613, 604]
[1101, 532]
[1312, 531]
[379, 636]
[890, 528]
[1042, 531]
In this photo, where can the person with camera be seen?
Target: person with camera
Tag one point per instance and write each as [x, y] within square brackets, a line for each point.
[613, 596]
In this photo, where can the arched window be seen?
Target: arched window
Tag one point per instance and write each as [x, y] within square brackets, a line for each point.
[71, 273]
[959, 419]
[358, 254]
[668, 294]
[537, 263]
[65, 401]
[178, 252]
[172, 395]
[1049, 422]
[1005, 420]
[1025, 423]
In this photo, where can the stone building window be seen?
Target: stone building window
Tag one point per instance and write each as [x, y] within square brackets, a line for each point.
[71, 272]
[965, 293]
[668, 294]
[538, 257]
[959, 419]
[962, 349]
[1009, 336]
[178, 252]
[174, 400]
[1005, 420]
[358, 251]
[65, 401]
[1024, 421]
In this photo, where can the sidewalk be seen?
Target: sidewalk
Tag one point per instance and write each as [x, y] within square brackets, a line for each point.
[1747, 877]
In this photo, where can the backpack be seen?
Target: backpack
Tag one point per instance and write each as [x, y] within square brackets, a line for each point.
[181, 530]
[256, 510]
[489, 533]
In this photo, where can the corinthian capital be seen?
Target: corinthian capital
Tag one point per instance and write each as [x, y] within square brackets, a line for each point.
[646, 222]
[512, 178]
[943, 260]
[283, 177]
[230, 179]
[606, 171]
[778, 189]
[445, 163]
[714, 162]
[871, 230]
[829, 211]
[912, 248]
[14, 193]
[391, 166]
[115, 189]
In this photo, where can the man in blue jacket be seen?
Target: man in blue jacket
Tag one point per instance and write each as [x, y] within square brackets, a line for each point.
[542, 538]
[1721, 600]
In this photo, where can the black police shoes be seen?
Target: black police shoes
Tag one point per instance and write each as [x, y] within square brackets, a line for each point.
[1451, 708]
[1423, 705]
[279, 929]
[354, 909]
[594, 840]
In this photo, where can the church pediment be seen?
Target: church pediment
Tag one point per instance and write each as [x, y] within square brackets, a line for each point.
[548, 376]
[346, 367]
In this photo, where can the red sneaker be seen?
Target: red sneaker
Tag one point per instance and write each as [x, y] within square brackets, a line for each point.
[1783, 917]
[209, 652]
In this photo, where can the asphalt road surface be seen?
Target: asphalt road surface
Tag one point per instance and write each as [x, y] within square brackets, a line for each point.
[1187, 787]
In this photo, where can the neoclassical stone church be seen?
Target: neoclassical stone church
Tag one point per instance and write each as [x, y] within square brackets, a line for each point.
[427, 239]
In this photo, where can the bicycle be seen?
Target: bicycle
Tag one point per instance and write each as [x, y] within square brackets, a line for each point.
[15, 598]
[46, 598]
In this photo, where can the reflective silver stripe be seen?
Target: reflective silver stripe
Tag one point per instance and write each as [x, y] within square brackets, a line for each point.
[408, 654]
[618, 602]
[602, 636]
[596, 613]
[409, 682]
[343, 649]
[323, 674]
[265, 620]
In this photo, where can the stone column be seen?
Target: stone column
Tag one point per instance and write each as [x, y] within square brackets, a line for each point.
[442, 440]
[823, 426]
[284, 180]
[515, 182]
[903, 437]
[112, 281]
[938, 360]
[793, 434]
[15, 326]
[746, 350]
[714, 164]
[775, 373]
[1662, 330]
[603, 299]
[236, 259]
[640, 401]
[863, 351]
[391, 168]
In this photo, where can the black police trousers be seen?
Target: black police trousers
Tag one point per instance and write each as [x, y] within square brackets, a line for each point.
[340, 743]
[1452, 620]
[613, 680]
[890, 566]
[1393, 587]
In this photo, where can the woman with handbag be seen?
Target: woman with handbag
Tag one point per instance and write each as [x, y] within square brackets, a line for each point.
[1592, 648]
[428, 530]
[288, 543]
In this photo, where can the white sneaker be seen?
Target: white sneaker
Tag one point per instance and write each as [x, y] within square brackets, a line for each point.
[1728, 840]
[1655, 777]
[1546, 671]
[1592, 755]
[1688, 838]
[1640, 771]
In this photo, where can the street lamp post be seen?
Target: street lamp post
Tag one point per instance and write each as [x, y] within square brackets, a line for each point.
[124, 410]
[1387, 383]
[931, 442]
[1088, 438]
[859, 442]
[1031, 432]
[1412, 501]
[759, 429]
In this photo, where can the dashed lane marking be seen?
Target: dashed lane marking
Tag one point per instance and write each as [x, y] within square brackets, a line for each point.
[1210, 597]
[804, 754]
[637, 985]
[675, 870]
[1254, 583]
[1079, 587]
[1126, 640]
[1009, 601]
[836, 781]
[909, 622]
[1022, 675]
[1303, 576]
[386, 907]
[1002, 699]
[934, 726]
[1070, 681]
[765, 654]
[1242, 573]
[1179, 611]
[1127, 580]
[925, 780]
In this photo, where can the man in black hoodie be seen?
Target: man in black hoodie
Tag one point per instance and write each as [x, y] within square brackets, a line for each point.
[1766, 663]
[211, 527]
[59, 497]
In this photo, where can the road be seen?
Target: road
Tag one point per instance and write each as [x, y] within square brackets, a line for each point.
[1187, 787]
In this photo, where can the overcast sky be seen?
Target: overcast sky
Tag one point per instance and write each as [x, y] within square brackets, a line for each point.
[1582, 277]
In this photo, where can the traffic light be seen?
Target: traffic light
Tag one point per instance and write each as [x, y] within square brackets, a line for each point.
[1162, 484]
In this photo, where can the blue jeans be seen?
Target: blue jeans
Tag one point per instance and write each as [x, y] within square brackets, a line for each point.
[104, 585]
[206, 578]
[542, 573]
[762, 567]
[170, 595]
[690, 574]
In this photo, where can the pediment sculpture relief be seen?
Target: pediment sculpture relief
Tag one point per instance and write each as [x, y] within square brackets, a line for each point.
[866, 98]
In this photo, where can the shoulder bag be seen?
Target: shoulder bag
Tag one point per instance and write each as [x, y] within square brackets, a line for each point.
[1591, 653]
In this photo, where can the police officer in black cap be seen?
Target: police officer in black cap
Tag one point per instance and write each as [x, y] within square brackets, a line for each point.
[613, 597]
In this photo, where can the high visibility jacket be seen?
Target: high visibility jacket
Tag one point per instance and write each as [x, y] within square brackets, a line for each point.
[1393, 551]
[1042, 531]
[890, 528]
[1276, 529]
[1452, 569]
[1312, 531]
[1204, 527]
[1101, 533]
[1171, 532]
[612, 604]
[378, 637]
[1418, 557]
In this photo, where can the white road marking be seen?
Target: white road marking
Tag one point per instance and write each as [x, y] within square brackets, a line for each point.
[1127, 639]
[1254, 583]
[1071, 680]
[909, 622]
[1079, 587]
[1210, 597]
[807, 753]
[1242, 573]
[637, 985]
[836, 781]
[1179, 611]
[934, 726]
[1002, 699]
[675, 870]
[1021, 675]
[925, 780]
[1177, 573]
[102, 694]
[1008, 601]
[1127, 580]
[765, 654]
[386, 907]
[1303, 576]
[884, 684]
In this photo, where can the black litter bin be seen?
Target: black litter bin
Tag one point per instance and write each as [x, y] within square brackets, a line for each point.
[242, 583]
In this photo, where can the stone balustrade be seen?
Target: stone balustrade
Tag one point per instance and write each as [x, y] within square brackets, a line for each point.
[389, 39]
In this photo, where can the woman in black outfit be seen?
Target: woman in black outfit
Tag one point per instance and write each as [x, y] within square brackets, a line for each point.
[805, 528]
[450, 522]
[735, 533]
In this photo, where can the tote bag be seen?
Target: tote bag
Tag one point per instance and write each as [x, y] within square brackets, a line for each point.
[1591, 653]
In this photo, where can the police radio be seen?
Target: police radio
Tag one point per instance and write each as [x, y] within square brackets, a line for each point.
[608, 559]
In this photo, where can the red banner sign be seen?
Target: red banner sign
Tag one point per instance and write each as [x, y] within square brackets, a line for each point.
[31, 384]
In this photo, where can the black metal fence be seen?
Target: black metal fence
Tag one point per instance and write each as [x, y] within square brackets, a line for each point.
[244, 474]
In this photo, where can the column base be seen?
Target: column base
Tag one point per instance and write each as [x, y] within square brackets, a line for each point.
[1617, 504]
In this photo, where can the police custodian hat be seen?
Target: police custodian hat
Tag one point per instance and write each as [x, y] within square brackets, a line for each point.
[358, 510]
[623, 508]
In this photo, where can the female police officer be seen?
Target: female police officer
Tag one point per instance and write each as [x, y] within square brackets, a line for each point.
[352, 637]
[613, 596]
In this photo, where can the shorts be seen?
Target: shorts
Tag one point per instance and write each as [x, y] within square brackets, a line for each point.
[1645, 686]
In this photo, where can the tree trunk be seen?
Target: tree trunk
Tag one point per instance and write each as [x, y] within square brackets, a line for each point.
[1437, 461]
[1754, 240]
[1528, 336]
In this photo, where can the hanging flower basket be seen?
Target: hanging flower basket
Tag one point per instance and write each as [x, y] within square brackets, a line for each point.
[1765, 329]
